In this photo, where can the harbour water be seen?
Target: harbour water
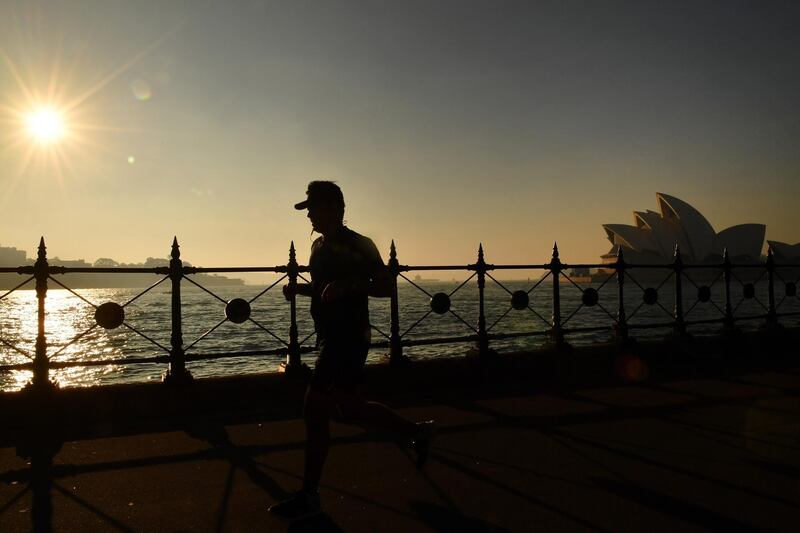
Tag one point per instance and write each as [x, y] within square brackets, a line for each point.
[68, 316]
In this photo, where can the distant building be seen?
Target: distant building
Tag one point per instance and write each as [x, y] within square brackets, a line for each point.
[652, 238]
[418, 279]
[71, 263]
[579, 275]
[10, 256]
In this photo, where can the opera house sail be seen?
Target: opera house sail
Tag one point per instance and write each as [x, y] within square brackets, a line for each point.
[654, 235]
[785, 253]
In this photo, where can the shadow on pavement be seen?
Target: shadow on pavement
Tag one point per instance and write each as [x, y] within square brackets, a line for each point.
[442, 519]
[321, 523]
[684, 510]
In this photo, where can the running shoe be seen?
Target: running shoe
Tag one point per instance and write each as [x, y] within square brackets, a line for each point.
[426, 431]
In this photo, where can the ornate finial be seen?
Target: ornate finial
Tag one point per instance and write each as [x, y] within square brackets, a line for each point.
[42, 252]
[292, 254]
[392, 251]
[555, 250]
[480, 252]
[725, 254]
[176, 250]
[620, 257]
[769, 251]
[678, 260]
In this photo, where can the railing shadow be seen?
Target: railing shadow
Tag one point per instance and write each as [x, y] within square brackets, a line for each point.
[686, 511]
[40, 451]
[217, 437]
[440, 518]
[41, 478]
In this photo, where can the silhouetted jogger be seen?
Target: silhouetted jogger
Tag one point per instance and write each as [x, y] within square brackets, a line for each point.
[346, 268]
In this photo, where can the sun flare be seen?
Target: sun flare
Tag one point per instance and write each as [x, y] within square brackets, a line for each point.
[50, 123]
[45, 125]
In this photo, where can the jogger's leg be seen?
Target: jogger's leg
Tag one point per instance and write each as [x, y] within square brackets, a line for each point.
[373, 414]
[316, 417]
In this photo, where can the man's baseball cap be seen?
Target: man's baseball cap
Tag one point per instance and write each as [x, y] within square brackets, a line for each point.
[322, 192]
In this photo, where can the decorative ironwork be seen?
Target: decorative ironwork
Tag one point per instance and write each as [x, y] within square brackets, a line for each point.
[176, 374]
[590, 297]
[483, 335]
[679, 328]
[293, 366]
[41, 370]
[772, 319]
[748, 291]
[109, 315]
[241, 306]
[622, 319]
[556, 333]
[726, 276]
[112, 315]
[431, 296]
[704, 293]
[650, 296]
[237, 310]
[520, 300]
[395, 341]
[440, 303]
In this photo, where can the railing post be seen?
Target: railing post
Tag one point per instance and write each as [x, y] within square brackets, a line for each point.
[41, 483]
[679, 328]
[176, 373]
[556, 333]
[728, 322]
[395, 342]
[40, 442]
[772, 315]
[622, 320]
[41, 368]
[483, 335]
[293, 365]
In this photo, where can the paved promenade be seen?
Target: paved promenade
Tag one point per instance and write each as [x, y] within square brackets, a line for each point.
[681, 455]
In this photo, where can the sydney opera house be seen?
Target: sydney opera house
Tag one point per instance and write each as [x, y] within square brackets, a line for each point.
[654, 234]
[785, 253]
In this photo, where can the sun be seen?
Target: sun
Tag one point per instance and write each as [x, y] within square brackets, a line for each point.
[45, 125]
[49, 116]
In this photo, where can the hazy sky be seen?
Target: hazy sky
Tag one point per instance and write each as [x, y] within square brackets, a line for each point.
[445, 123]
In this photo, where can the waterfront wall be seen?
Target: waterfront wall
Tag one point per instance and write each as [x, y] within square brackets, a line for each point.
[61, 415]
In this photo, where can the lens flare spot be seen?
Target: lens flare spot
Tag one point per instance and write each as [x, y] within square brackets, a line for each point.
[131, 160]
[631, 368]
[141, 90]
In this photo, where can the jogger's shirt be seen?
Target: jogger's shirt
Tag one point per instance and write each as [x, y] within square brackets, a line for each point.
[348, 257]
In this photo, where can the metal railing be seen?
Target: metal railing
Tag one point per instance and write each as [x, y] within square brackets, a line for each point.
[111, 315]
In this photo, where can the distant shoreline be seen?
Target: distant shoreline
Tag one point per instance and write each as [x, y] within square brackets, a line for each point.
[103, 280]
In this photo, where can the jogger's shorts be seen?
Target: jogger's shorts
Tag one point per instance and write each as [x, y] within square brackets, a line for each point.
[339, 365]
